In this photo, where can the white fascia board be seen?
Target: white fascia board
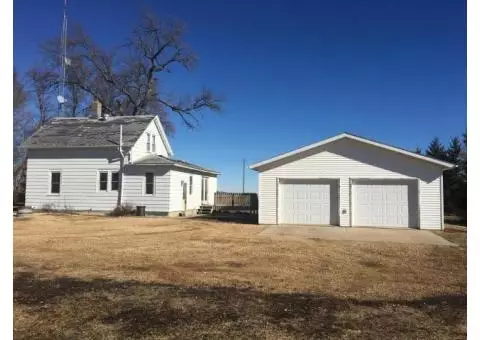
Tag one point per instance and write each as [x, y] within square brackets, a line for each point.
[360, 139]
[163, 135]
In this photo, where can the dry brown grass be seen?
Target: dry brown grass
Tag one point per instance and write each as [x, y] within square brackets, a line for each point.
[81, 276]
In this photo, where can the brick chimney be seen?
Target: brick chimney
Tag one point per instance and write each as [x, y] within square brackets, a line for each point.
[96, 109]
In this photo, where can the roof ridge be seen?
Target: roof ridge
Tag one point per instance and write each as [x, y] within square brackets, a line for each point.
[74, 132]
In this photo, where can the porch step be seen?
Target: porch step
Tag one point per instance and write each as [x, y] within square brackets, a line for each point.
[205, 209]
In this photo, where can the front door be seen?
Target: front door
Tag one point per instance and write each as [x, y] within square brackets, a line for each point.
[204, 190]
[184, 195]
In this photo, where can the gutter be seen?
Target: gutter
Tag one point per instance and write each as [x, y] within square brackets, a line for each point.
[190, 168]
[178, 166]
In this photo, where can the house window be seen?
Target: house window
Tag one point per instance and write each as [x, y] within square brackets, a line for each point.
[154, 147]
[103, 181]
[190, 186]
[149, 183]
[114, 181]
[148, 142]
[55, 182]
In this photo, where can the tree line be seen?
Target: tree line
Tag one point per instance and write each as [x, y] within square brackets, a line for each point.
[454, 180]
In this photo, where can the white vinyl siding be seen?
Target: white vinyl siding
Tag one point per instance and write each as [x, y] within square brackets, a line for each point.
[134, 188]
[212, 189]
[139, 149]
[79, 178]
[194, 199]
[346, 160]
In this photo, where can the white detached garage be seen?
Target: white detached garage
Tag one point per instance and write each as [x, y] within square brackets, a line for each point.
[348, 180]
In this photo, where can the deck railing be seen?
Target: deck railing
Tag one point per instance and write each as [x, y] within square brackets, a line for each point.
[236, 201]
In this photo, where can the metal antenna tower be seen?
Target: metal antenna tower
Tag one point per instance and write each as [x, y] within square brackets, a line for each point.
[64, 62]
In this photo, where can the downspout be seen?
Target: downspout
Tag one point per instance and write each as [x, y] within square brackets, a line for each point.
[120, 172]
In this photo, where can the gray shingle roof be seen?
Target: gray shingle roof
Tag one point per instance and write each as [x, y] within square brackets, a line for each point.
[161, 160]
[88, 132]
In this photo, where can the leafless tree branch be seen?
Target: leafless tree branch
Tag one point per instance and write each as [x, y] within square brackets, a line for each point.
[125, 79]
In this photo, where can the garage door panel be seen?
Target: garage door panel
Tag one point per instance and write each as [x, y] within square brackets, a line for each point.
[300, 206]
[311, 203]
[288, 193]
[384, 204]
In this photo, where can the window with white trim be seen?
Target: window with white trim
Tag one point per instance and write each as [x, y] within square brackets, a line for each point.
[148, 142]
[149, 183]
[55, 179]
[114, 181]
[154, 147]
[190, 187]
[103, 180]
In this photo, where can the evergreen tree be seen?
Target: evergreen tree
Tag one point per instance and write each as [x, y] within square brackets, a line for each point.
[455, 179]
[418, 150]
[436, 150]
[463, 158]
[454, 150]
[462, 178]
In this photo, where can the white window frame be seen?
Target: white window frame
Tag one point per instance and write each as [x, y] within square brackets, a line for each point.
[145, 183]
[98, 180]
[50, 193]
[109, 180]
[111, 172]
[154, 146]
[190, 185]
[148, 142]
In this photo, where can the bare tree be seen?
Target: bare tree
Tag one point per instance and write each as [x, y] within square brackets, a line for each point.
[20, 96]
[22, 118]
[22, 126]
[76, 100]
[125, 79]
[43, 83]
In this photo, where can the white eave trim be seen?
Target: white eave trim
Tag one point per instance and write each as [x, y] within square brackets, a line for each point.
[360, 139]
[178, 165]
[198, 170]
[163, 135]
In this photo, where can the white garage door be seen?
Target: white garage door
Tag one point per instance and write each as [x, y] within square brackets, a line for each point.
[308, 202]
[387, 203]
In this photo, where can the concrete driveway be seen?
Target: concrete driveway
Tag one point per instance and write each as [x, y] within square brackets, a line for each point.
[357, 234]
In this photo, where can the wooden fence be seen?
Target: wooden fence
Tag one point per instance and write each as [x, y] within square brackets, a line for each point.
[235, 201]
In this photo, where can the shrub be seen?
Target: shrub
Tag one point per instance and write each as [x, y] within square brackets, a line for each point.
[125, 209]
[48, 207]
[68, 209]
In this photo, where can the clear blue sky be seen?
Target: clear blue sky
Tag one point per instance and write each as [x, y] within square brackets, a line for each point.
[293, 72]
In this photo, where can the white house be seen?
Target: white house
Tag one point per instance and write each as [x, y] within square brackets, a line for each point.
[98, 163]
[348, 181]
